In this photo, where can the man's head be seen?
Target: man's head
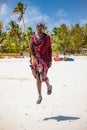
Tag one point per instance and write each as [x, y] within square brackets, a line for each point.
[39, 27]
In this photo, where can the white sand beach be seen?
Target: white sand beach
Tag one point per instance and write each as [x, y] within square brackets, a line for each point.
[65, 109]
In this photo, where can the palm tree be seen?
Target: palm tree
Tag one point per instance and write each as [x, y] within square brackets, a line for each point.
[77, 37]
[20, 9]
[1, 27]
[29, 32]
[14, 35]
[14, 29]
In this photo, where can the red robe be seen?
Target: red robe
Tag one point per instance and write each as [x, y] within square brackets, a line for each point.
[42, 52]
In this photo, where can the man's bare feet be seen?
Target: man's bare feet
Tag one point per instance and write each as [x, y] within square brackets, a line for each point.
[49, 89]
[39, 100]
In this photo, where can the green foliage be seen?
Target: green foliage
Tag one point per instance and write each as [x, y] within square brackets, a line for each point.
[64, 39]
[15, 40]
[69, 39]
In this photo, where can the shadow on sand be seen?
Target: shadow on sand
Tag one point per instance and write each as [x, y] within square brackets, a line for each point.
[61, 118]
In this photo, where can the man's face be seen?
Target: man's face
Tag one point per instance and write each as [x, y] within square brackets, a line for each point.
[39, 28]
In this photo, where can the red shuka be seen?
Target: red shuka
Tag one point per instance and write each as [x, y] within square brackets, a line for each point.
[42, 52]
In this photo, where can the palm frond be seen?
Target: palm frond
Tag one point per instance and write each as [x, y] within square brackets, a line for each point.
[16, 10]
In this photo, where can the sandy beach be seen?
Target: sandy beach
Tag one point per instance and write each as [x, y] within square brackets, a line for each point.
[65, 109]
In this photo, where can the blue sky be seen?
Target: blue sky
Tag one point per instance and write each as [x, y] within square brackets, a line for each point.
[51, 12]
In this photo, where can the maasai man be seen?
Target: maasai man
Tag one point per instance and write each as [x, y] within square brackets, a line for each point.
[41, 59]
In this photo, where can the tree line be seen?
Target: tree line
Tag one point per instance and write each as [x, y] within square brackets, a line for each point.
[64, 39]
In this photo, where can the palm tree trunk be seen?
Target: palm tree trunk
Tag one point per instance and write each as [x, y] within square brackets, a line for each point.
[24, 25]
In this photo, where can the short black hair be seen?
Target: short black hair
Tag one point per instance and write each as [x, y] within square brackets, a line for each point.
[40, 24]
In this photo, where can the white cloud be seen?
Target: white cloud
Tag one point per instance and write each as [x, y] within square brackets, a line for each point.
[57, 22]
[83, 21]
[61, 13]
[3, 9]
[33, 15]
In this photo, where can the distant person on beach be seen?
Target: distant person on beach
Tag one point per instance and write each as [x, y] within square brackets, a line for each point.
[41, 59]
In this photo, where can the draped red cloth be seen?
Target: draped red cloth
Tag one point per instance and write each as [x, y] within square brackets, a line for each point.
[42, 52]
